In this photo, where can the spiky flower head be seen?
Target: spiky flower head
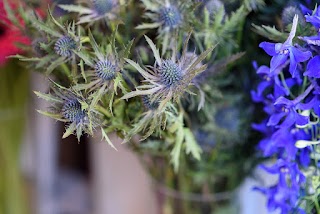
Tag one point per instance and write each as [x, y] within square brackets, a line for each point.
[72, 111]
[105, 70]
[102, 6]
[170, 72]
[57, 43]
[70, 106]
[170, 16]
[169, 78]
[94, 10]
[64, 46]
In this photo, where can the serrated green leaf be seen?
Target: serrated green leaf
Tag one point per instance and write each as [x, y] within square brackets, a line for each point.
[148, 25]
[105, 136]
[48, 97]
[175, 153]
[75, 8]
[70, 130]
[191, 144]
[51, 115]
[55, 64]
[155, 51]
[270, 32]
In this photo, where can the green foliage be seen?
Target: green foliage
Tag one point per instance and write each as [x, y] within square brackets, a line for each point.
[79, 51]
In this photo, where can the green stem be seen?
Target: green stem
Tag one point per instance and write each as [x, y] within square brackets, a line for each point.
[285, 85]
[316, 202]
[103, 111]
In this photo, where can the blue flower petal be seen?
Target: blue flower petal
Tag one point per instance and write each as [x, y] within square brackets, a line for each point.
[268, 47]
[297, 56]
[278, 61]
[313, 67]
[275, 119]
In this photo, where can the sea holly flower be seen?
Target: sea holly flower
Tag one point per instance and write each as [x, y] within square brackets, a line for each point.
[280, 52]
[107, 67]
[167, 16]
[170, 78]
[94, 11]
[56, 45]
[73, 108]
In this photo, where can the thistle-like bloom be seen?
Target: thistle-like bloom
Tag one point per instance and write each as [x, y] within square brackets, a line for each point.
[94, 10]
[170, 78]
[71, 107]
[58, 46]
[106, 68]
[167, 16]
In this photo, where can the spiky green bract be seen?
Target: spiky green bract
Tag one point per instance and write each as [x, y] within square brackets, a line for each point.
[73, 108]
[168, 79]
[55, 44]
[221, 29]
[168, 16]
[95, 10]
[105, 68]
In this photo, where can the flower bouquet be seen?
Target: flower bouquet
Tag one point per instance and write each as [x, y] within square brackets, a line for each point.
[162, 76]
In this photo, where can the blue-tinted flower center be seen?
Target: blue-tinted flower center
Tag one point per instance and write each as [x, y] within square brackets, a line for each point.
[105, 70]
[170, 16]
[170, 73]
[64, 46]
[102, 6]
[72, 111]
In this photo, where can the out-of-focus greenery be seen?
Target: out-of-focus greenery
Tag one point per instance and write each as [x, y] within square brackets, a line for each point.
[14, 85]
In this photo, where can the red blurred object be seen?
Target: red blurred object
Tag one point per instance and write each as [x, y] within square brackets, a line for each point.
[10, 36]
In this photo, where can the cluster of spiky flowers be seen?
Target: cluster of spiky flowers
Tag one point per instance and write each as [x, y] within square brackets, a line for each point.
[94, 10]
[100, 83]
[289, 91]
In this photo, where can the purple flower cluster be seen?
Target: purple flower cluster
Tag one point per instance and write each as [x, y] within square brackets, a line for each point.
[289, 91]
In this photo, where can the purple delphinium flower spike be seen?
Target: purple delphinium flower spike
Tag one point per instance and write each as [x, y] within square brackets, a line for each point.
[280, 52]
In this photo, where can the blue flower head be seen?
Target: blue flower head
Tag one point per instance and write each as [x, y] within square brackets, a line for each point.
[169, 78]
[98, 10]
[64, 46]
[170, 16]
[170, 73]
[103, 6]
[72, 108]
[280, 52]
[72, 111]
[105, 70]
